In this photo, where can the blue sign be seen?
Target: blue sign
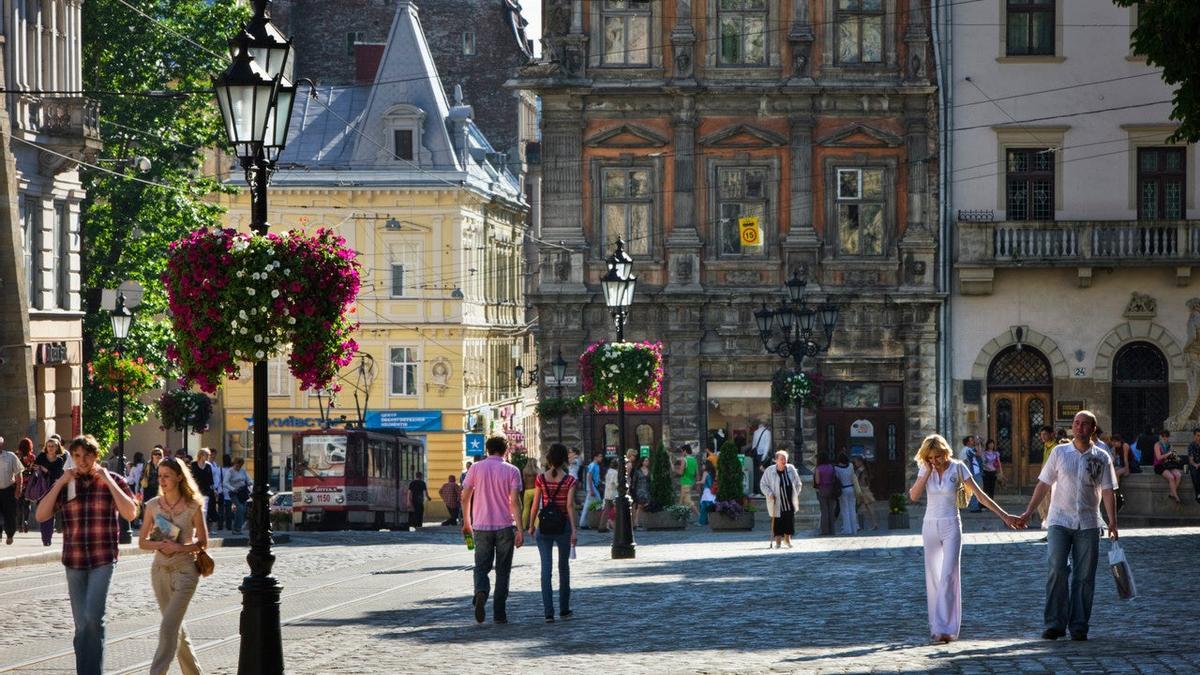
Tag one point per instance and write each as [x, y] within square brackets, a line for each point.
[474, 445]
[407, 420]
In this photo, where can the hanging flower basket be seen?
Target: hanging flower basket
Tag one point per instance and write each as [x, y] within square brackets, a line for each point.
[181, 409]
[237, 297]
[632, 369]
[114, 372]
[788, 387]
[553, 408]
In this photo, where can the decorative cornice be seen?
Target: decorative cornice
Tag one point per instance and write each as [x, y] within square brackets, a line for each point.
[725, 137]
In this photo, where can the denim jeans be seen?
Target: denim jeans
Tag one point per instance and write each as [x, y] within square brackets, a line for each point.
[88, 590]
[546, 544]
[494, 547]
[1071, 611]
[239, 513]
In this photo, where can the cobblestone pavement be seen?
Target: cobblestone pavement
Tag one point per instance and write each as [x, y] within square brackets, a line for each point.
[692, 601]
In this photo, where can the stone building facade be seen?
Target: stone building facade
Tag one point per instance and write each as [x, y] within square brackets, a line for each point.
[667, 122]
[47, 130]
[1078, 232]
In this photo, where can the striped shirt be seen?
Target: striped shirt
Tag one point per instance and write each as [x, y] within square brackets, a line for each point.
[558, 489]
[90, 528]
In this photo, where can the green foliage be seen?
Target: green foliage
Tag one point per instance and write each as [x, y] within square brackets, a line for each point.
[126, 225]
[1167, 34]
[729, 474]
[552, 407]
[898, 503]
[662, 485]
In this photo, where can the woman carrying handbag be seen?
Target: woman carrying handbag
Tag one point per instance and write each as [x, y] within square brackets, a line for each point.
[173, 526]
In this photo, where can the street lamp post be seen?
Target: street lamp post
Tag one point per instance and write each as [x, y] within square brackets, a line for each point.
[560, 371]
[122, 318]
[795, 321]
[256, 95]
[618, 287]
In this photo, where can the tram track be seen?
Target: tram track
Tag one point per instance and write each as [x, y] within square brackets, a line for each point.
[127, 561]
[150, 630]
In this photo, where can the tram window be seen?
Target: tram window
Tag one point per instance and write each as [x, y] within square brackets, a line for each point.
[321, 456]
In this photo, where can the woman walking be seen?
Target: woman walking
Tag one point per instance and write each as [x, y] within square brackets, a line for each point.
[237, 484]
[639, 489]
[25, 507]
[174, 527]
[866, 498]
[941, 475]
[780, 486]
[50, 462]
[552, 523]
[993, 470]
[846, 501]
[828, 488]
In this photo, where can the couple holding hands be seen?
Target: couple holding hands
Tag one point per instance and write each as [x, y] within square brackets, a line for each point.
[1083, 478]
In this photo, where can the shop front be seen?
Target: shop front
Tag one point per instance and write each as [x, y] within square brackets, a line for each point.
[734, 410]
[866, 419]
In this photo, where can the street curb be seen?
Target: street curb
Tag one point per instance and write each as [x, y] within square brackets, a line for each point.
[124, 550]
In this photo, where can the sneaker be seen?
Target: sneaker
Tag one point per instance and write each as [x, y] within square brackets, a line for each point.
[480, 606]
[550, 619]
[566, 615]
[1053, 633]
[1078, 637]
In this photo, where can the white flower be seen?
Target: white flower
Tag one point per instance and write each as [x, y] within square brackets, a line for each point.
[253, 311]
[259, 354]
[291, 319]
[241, 273]
[243, 330]
[274, 292]
[250, 291]
[287, 271]
[242, 314]
[258, 339]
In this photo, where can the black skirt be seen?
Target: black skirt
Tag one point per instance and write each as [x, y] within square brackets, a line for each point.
[785, 523]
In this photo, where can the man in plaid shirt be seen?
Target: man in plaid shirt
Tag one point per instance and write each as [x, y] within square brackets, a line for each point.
[90, 498]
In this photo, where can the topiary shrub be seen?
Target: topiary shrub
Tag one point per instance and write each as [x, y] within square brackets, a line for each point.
[729, 474]
[662, 485]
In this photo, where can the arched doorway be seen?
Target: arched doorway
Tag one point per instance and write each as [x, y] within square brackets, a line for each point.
[1019, 394]
[1140, 393]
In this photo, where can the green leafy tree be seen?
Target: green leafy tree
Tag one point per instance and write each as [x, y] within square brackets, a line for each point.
[662, 485]
[1167, 34]
[729, 473]
[128, 225]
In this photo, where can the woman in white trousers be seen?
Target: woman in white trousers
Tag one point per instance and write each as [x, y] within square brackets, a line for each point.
[847, 502]
[940, 475]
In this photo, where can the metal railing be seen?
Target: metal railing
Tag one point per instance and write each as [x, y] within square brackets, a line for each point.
[1071, 241]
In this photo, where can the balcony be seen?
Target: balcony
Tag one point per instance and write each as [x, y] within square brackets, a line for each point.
[67, 125]
[1082, 244]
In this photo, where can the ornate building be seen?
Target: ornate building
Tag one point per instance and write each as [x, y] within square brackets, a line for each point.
[665, 123]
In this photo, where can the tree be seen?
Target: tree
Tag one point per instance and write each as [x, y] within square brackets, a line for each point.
[127, 225]
[1167, 34]
[729, 474]
[662, 485]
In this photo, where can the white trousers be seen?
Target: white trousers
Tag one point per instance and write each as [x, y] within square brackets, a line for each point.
[943, 593]
[849, 516]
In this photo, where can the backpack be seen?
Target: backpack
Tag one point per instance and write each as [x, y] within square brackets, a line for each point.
[551, 519]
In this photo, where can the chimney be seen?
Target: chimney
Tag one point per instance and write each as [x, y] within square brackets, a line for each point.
[366, 61]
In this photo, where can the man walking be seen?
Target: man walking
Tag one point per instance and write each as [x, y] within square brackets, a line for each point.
[970, 457]
[418, 494]
[451, 494]
[1082, 476]
[90, 532]
[687, 479]
[592, 483]
[10, 486]
[491, 501]
[760, 448]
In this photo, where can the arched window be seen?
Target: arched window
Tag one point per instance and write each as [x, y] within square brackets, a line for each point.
[1140, 393]
[1019, 367]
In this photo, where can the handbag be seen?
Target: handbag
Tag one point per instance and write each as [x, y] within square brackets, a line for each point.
[204, 563]
[37, 487]
[961, 499]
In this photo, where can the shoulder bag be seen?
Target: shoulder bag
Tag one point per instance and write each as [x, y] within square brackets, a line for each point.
[204, 562]
[37, 487]
[961, 498]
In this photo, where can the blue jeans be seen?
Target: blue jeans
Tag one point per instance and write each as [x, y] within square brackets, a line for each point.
[239, 513]
[546, 544]
[89, 593]
[1071, 612]
[974, 504]
[494, 547]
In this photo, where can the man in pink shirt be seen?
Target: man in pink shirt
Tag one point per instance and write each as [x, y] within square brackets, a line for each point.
[491, 503]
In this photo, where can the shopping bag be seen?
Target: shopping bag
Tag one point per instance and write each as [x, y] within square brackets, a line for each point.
[1122, 573]
[37, 487]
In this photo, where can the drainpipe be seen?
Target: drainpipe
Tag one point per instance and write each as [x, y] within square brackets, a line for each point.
[943, 12]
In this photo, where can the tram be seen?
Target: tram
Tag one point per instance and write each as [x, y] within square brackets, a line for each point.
[353, 478]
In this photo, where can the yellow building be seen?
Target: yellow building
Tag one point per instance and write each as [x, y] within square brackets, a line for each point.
[439, 222]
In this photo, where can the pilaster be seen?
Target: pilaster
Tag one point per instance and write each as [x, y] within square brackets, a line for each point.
[683, 243]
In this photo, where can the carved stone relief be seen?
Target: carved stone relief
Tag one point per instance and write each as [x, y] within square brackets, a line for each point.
[1188, 416]
[1141, 306]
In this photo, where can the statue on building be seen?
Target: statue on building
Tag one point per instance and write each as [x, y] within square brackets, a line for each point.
[1188, 416]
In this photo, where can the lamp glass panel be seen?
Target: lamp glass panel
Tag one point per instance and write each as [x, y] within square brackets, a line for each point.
[612, 285]
[829, 316]
[764, 317]
[121, 320]
[785, 318]
[807, 318]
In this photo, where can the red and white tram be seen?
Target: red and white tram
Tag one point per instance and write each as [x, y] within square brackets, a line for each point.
[353, 478]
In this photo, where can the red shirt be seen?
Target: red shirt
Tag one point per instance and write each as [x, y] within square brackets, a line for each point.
[549, 488]
[90, 527]
[451, 494]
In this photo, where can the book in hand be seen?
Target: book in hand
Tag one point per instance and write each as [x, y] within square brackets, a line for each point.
[164, 529]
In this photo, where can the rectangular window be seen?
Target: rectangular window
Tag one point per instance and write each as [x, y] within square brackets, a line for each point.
[62, 255]
[277, 376]
[402, 144]
[468, 43]
[741, 193]
[861, 200]
[627, 208]
[404, 371]
[1030, 28]
[1162, 177]
[626, 26]
[859, 31]
[31, 223]
[1030, 183]
[352, 38]
[397, 280]
[742, 31]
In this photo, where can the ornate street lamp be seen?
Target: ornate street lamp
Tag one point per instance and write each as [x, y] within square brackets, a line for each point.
[559, 367]
[256, 96]
[796, 323]
[122, 318]
[618, 285]
[519, 376]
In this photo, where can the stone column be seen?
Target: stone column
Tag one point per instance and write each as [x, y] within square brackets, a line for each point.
[800, 37]
[683, 42]
[916, 37]
[800, 246]
[562, 199]
[918, 247]
[684, 242]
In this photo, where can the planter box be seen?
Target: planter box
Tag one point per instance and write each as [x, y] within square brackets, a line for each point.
[719, 521]
[662, 520]
[898, 521]
[593, 519]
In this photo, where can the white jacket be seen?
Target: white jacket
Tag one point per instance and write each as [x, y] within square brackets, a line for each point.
[771, 487]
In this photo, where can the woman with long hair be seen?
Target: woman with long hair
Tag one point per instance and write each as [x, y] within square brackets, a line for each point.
[554, 502]
[174, 528]
[24, 511]
[50, 462]
[865, 498]
[941, 475]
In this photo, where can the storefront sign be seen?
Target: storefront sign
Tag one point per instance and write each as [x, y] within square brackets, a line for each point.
[289, 422]
[1068, 409]
[474, 445]
[862, 429]
[407, 420]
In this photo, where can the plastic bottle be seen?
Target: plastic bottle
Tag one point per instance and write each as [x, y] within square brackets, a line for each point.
[470, 539]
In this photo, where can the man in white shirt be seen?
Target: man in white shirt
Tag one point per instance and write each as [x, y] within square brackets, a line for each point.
[1083, 476]
[760, 445]
[10, 487]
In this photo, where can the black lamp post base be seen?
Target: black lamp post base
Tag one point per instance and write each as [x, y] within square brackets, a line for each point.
[624, 551]
[262, 638]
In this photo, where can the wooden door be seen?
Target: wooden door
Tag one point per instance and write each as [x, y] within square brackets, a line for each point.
[874, 434]
[1014, 420]
[640, 429]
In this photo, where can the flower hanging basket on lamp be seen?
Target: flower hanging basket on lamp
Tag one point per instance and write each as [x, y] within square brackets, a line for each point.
[788, 387]
[113, 371]
[184, 410]
[634, 369]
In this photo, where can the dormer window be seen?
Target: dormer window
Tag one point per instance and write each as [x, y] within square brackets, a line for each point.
[402, 126]
[402, 144]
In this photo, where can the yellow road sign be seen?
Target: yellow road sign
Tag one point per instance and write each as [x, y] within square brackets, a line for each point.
[750, 232]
